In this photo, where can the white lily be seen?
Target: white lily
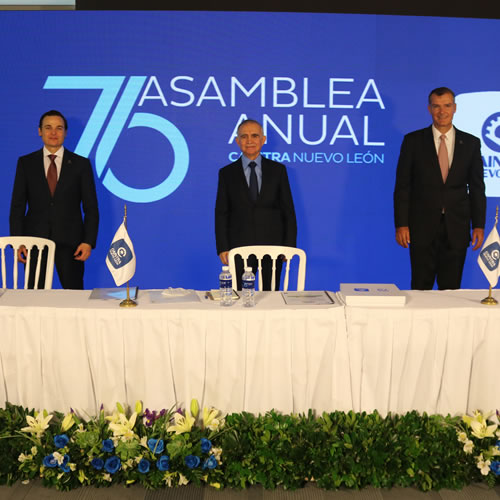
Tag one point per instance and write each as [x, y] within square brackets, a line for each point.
[468, 447]
[476, 416]
[483, 465]
[168, 477]
[59, 458]
[494, 451]
[217, 452]
[182, 423]
[38, 424]
[210, 419]
[123, 427]
[481, 429]
[182, 479]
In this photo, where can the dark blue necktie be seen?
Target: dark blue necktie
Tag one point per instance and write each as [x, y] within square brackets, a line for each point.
[254, 187]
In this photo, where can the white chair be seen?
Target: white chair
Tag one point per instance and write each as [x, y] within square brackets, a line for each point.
[29, 242]
[274, 252]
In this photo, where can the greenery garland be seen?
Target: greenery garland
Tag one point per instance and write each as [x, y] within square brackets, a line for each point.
[176, 447]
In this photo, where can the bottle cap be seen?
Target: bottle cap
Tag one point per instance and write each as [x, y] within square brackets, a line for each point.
[225, 268]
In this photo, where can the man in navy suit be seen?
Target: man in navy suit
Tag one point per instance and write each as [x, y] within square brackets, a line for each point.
[254, 212]
[37, 211]
[439, 195]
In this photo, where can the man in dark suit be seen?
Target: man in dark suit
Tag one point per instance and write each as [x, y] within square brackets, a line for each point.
[254, 203]
[439, 194]
[51, 188]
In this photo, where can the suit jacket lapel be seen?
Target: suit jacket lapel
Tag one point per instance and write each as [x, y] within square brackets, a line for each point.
[267, 171]
[65, 171]
[431, 152]
[459, 143]
[40, 170]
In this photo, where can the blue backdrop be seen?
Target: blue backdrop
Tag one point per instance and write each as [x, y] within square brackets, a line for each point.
[153, 98]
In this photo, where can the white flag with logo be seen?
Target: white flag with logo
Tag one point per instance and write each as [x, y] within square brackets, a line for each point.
[489, 257]
[121, 257]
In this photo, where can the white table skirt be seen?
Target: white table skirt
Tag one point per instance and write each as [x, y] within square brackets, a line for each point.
[60, 350]
[437, 354]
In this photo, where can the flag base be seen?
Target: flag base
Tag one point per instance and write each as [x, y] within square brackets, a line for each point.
[489, 301]
[128, 302]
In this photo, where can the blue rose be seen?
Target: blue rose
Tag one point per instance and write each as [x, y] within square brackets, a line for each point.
[156, 445]
[192, 461]
[107, 445]
[495, 467]
[61, 440]
[210, 463]
[206, 445]
[112, 464]
[97, 463]
[163, 463]
[50, 461]
[143, 466]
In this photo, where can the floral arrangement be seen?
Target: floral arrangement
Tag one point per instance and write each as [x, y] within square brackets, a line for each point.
[153, 449]
[480, 436]
[176, 447]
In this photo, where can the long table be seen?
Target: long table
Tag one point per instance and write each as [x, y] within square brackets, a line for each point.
[58, 349]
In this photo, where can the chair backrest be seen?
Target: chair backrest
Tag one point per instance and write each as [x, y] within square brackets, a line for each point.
[274, 252]
[29, 242]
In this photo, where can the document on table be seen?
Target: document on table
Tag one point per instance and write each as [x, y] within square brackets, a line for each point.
[371, 294]
[215, 295]
[114, 293]
[308, 298]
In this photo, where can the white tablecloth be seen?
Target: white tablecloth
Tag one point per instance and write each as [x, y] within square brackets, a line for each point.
[58, 349]
[437, 354]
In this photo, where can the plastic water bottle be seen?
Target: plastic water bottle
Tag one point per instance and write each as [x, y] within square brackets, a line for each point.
[248, 291]
[226, 287]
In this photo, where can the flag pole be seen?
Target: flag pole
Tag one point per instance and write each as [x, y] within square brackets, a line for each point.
[491, 301]
[128, 302]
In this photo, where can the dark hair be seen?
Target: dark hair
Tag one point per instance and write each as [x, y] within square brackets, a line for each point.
[441, 91]
[53, 112]
[245, 122]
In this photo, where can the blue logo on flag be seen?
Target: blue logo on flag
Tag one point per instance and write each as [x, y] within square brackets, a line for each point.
[119, 254]
[491, 255]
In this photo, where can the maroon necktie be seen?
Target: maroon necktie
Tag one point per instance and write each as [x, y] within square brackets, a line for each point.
[52, 174]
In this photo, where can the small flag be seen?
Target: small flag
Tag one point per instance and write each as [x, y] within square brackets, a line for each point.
[121, 257]
[489, 257]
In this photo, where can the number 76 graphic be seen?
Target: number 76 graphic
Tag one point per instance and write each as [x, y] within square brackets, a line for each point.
[110, 86]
